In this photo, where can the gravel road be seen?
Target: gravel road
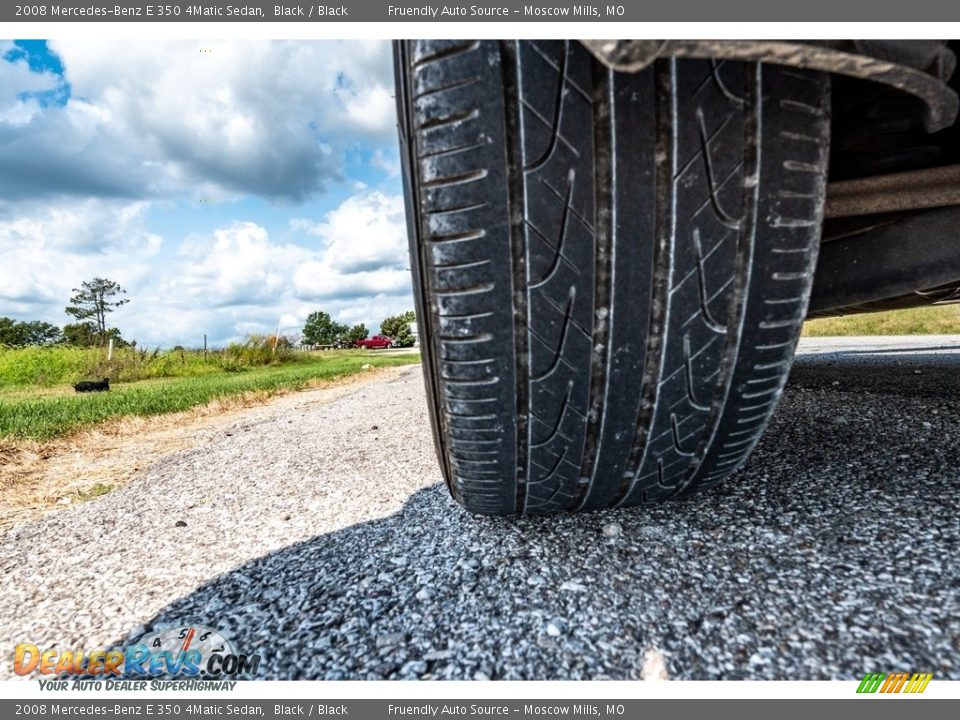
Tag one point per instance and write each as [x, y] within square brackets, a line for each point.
[316, 532]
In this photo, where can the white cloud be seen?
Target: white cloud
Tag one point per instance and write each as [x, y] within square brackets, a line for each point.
[267, 118]
[371, 108]
[85, 226]
[48, 250]
[367, 233]
[231, 282]
[238, 280]
[238, 265]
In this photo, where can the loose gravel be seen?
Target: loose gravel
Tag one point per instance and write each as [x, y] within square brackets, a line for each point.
[317, 533]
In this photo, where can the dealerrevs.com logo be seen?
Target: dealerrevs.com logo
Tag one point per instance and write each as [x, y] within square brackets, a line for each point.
[895, 682]
[193, 651]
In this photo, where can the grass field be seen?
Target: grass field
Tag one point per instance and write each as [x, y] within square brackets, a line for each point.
[939, 320]
[33, 406]
[60, 366]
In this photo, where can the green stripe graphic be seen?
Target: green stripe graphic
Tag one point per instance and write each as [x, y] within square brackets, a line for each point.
[870, 682]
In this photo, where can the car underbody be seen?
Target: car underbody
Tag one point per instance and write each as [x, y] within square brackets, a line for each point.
[889, 237]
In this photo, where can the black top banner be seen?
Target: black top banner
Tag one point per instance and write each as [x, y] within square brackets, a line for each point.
[458, 709]
[483, 11]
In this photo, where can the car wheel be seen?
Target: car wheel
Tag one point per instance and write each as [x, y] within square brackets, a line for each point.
[613, 269]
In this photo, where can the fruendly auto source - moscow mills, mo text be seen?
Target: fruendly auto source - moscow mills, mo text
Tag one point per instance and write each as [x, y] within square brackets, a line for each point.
[477, 11]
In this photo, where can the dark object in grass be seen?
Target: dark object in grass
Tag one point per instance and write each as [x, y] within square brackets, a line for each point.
[93, 386]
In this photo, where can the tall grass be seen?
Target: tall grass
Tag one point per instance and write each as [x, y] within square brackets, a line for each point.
[44, 366]
[59, 365]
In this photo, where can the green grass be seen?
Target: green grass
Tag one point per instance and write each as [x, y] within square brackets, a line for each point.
[55, 366]
[28, 414]
[45, 367]
[939, 320]
[94, 491]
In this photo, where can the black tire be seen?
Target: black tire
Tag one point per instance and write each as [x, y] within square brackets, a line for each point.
[612, 270]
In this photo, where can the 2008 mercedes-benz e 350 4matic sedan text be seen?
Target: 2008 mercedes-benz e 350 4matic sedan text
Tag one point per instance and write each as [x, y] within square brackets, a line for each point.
[615, 244]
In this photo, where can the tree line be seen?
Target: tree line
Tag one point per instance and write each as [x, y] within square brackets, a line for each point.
[90, 305]
[321, 329]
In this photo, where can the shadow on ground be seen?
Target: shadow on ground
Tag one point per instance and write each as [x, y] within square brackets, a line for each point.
[830, 554]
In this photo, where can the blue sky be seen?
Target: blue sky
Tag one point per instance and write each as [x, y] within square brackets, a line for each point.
[228, 186]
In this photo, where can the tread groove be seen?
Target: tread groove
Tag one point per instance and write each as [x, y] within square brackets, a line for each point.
[515, 191]
[444, 120]
[604, 186]
[664, 159]
[702, 288]
[712, 186]
[558, 355]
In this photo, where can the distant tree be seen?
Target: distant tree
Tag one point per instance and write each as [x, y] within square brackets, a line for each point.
[357, 332]
[398, 327]
[86, 335]
[93, 300]
[118, 341]
[37, 332]
[82, 334]
[321, 329]
[8, 331]
[33, 332]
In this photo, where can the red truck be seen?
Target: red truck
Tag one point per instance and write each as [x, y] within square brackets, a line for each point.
[375, 342]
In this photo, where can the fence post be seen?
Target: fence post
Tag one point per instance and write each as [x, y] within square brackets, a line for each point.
[110, 350]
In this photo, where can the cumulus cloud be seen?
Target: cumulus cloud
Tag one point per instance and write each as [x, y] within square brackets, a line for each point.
[238, 265]
[239, 280]
[355, 267]
[147, 119]
[47, 251]
[365, 234]
[84, 226]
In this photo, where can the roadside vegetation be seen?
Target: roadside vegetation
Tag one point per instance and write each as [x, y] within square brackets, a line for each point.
[59, 365]
[40, 362]
[936, 320]
[175, 381]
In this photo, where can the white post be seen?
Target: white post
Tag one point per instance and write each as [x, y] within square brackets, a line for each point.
[110, 350]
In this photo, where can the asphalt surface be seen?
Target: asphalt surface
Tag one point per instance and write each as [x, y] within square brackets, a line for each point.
[316, 533]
